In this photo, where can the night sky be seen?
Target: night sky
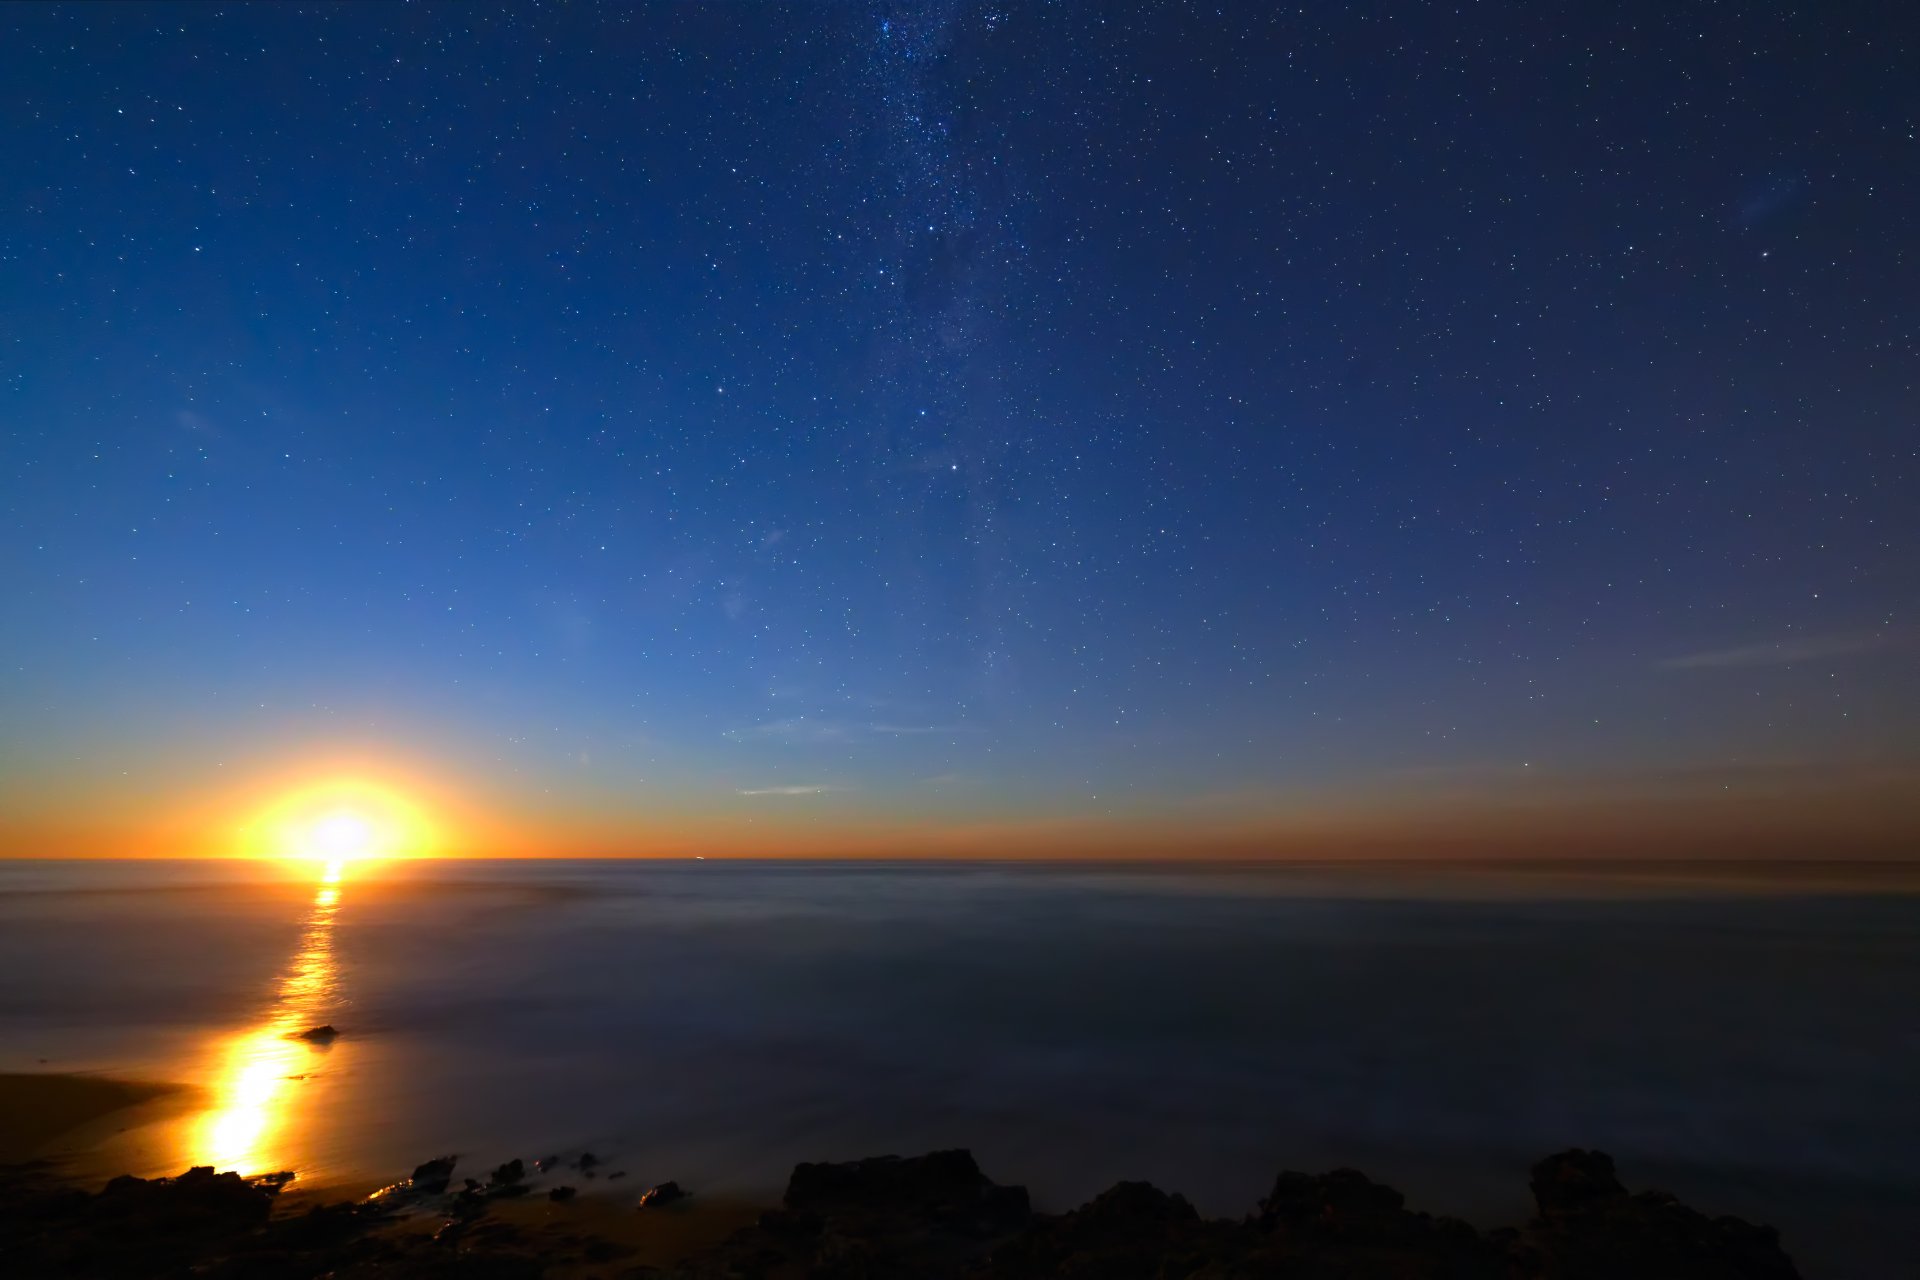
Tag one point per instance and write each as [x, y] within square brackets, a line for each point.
[1045, 428]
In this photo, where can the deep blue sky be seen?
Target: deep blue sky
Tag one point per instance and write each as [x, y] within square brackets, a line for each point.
[928, 414]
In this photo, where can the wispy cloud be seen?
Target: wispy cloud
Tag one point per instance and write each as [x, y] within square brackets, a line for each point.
[1783, 652]
[794, 729]
[808, 729]
[811, 789]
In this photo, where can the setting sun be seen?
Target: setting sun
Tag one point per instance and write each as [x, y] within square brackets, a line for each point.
[339, 837]
[342, 821]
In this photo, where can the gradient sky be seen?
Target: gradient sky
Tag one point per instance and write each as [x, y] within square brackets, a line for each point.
[945, 427]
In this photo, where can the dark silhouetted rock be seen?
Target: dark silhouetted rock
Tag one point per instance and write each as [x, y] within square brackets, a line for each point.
[1301, 1199]
[204, 1225]
[928, 1217]
[325, 1034]
[1590, 1228]
[560, 1195]
[665, 1193]
[1135, 1203]
[432, 1177]
[198, 1200]
[934, 1217]
[1574, 1180]
[1345, 1223]
[132, 1226]
[1131, 1231]
[941, 1184]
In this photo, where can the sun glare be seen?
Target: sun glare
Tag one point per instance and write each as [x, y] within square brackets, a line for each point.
[339, 837]
[341, 822]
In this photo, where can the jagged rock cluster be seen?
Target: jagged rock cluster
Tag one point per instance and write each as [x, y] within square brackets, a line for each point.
[938, 1216]
[929, 1217]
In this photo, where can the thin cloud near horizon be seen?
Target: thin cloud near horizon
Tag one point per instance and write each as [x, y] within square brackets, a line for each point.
[1784, 652]
[801, 729]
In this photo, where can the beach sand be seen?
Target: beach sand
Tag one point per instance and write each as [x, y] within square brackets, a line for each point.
[41, 1112]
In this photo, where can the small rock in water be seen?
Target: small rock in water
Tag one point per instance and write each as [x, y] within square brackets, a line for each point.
[665, 1193]
[618, 1173]
[433, 1176]
[506, 1179]
[560, 1195]
[326, 1033]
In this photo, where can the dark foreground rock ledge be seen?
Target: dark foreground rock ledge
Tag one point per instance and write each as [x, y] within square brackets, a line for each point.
[939, 1216]
[928, 1217]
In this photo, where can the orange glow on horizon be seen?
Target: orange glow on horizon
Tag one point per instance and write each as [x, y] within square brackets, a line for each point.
[317, 803]
[341, 821]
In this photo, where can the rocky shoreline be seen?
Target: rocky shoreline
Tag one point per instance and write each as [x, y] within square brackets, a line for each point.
[934, 1216]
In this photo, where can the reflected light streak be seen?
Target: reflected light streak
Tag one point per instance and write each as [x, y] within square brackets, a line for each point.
[246, 1128]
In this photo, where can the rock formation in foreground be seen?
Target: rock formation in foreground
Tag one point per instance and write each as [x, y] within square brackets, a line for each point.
[929, 1217]
[938, 1215]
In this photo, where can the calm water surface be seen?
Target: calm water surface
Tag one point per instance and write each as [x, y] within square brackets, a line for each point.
[1748, 1040]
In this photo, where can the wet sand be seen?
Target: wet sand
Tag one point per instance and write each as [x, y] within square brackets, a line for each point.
[40, 1110]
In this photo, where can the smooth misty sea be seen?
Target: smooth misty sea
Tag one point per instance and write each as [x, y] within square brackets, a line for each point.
[1747, 1038]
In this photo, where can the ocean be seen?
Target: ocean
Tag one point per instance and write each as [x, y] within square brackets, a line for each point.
[1746, 1037]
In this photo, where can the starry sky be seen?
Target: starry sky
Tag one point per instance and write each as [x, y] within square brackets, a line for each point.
[1029, 429]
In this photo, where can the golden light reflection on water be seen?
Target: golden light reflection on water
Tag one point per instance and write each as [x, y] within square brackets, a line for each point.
[256, 1086]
